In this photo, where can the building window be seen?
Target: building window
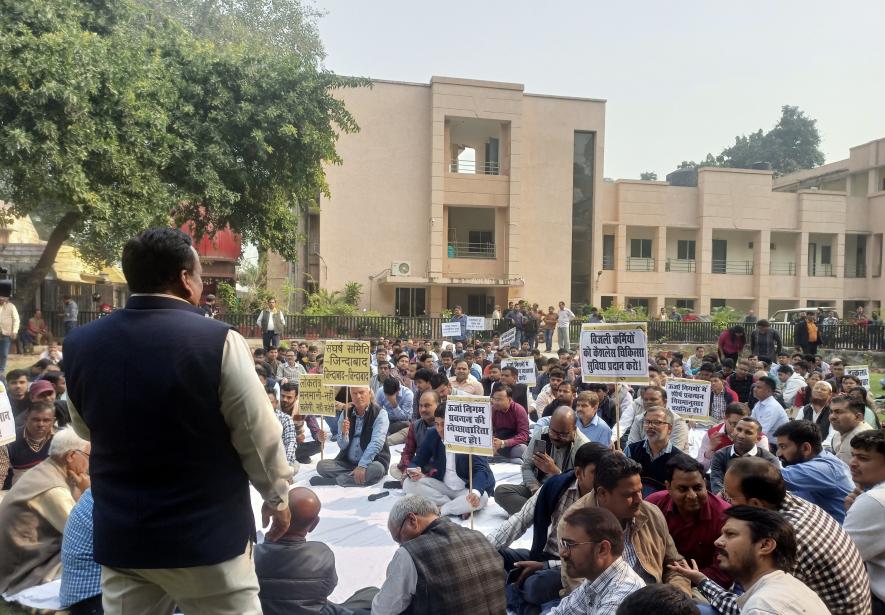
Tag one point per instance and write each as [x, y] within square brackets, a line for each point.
[583, 170]
[826, 255]
[411, 301]
[685, 304]
[640, 248]
[608, 251]
[606, 301]
[685, 249]
[638, 302]
[717, 303]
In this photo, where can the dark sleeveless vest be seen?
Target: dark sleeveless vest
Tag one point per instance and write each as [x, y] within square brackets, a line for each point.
[459, 572]
[168, 485]
[383, 456]
[22, 457]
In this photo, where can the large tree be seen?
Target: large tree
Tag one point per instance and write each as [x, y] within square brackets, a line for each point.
[793, 144]
[114, 117]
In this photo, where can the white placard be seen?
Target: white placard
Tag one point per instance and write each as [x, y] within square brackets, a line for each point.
[7, 419]
[469, 425]
[526, 367]
[614, 352]
[688, 398]
[476, 323]
[451, 329]
[508, 338]
[862, 372]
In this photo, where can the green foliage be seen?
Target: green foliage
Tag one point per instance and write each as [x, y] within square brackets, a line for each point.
[725, 315]
[648, 176]
[617, 313]
[353, 291]
[335, 303]
[114, 118]
[252, 302]
[793, 144]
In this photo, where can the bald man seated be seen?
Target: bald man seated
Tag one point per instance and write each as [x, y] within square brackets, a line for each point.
[296, 575]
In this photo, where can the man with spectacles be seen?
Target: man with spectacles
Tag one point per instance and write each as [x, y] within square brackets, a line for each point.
[591, 546]
[655, 450]
[551, 451]
[448, 568]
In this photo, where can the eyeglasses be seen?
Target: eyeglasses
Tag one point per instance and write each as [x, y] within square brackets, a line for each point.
[654, 423]
[559, 434]
[565, 546]
[82, 453]
[399, 532]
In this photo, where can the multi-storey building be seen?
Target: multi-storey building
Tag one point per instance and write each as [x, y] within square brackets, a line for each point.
[475, 193]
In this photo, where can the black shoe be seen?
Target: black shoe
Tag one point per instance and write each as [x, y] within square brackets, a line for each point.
[393, 484]
[320, 481]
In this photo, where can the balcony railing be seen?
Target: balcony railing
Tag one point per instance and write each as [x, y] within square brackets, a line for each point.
[471, 167]
[681, 265]
[468, 249]
[782, 269]
[858, 270]
[821, 271]
[733, 267]
[635, 263]
[608, 263]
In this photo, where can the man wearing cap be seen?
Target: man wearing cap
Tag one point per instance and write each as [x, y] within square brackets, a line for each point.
[44, 390]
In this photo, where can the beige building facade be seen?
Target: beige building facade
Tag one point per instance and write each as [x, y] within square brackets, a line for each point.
[747, 240]
[473, 193]
[456, 192]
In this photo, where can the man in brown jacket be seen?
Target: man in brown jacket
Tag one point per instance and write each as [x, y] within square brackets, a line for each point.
[34, 512]
[648, 546]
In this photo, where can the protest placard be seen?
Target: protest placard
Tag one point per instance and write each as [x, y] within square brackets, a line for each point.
[451, 329]
[614, 352]
[313, 397]
[469, 425]
[7, 420]
[862, 372]
[476, 323]
[688, 398]
[526, 367]
[346, 363]
[508, 338]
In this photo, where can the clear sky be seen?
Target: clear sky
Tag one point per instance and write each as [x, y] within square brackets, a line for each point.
[681, 78]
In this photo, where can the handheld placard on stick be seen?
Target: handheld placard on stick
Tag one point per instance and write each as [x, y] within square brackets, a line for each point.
[618, 417]
[470, 484]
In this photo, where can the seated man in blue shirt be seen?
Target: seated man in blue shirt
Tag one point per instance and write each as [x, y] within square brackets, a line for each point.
[80, 592]
[399, 402]
[443, 477]
[362, 437]
[809, 471]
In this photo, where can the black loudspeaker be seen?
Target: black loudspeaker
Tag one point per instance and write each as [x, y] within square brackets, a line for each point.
[5, 286]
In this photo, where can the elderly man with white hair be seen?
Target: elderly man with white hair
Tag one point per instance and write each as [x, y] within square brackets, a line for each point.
[34, 513]
[818, 410]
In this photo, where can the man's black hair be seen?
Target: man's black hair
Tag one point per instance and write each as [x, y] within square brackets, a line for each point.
[391, 386]
[40, 405]
[41, 364]
[506, 388]
[438, 380]
[424, 374]
[658, 599]
[769, 524]
[289, 386]
[557, 372]
[683, 463]
[510, 370]
[728, 362]
[446, 354]
[800, 432]
[599, 524]
[707, 367]
[15, 374]
[736, 407]
[785, 369]
[591, 452]
[53, 377]
[759, 479]
[871, 440]
[613, 468]
[154, 259]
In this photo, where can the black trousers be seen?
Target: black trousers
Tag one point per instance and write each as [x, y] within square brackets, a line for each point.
[306, 450]
[511, 556]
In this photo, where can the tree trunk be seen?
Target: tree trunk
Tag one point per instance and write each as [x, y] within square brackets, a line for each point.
[59, 234]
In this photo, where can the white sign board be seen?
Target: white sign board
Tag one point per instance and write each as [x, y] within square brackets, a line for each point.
[508, 338]
[688, 398]
[526, 368]
[451, 329]
[862, 372]
[476, 323]
[614, 352]
[469, 425]
[7, 420]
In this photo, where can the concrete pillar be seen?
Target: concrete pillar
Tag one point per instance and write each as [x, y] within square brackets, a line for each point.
[704, 254]
[660, 250]
[620, 252]
[839, 256]
[761, 270]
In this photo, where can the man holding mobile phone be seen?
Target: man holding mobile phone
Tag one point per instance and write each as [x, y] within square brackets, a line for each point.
[550, 452]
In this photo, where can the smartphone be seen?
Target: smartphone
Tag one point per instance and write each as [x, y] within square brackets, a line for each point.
[540, 447]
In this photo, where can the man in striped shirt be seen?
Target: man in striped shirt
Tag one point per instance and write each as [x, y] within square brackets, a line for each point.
[590, 545]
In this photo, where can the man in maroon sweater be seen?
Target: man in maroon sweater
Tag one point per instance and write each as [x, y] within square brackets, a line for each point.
[510, 425]
[418, 428]
[694, 516]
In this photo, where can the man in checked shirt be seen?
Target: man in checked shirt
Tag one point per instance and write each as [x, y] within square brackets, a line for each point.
[827, 561]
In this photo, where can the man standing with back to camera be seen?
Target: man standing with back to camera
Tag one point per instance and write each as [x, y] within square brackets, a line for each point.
[156, 377]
